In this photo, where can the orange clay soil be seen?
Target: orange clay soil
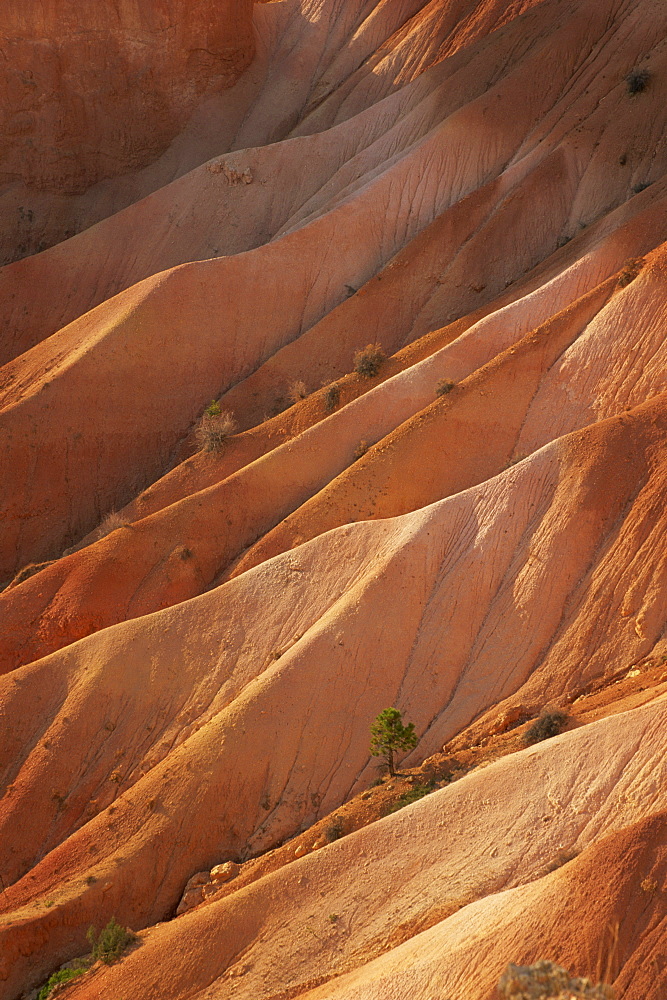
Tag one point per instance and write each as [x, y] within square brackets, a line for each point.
[132, 734]
[510, 406]
[151, 224]
[129, 377]
[487, 740]
[489, 856]
[194, 644]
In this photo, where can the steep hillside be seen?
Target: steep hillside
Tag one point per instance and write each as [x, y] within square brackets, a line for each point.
[92, 91]
[354, 396]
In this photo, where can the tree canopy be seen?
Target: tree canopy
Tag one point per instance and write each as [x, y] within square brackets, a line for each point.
[390, 736]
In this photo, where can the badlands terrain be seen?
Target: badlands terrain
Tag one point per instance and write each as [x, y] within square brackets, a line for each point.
[227, 545]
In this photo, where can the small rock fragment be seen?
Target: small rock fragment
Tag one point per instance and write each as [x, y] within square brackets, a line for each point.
[225, 871]
[231, 174]
[190, 899]
[506, 720]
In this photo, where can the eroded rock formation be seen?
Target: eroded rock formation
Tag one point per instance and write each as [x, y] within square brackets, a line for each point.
[195, 641]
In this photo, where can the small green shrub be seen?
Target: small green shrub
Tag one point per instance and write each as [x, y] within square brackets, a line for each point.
[213, 409]
[549, 724]
[443, 387]
[331, 398]
[637, 81]
[111, 942]
[413, 794]
[369, 360]
[62, 976]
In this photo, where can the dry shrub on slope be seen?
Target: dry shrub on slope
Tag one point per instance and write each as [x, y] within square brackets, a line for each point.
[214, 429]
[369, 360]
[547, 981]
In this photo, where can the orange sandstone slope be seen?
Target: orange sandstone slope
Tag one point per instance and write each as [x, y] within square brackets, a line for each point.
[161, 66]
[92, 91]
[164, 346]
[153, 749]
[422, 902]
[193, 643]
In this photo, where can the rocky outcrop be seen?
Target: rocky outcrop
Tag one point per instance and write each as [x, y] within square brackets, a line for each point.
[193, 894]
[205, 884]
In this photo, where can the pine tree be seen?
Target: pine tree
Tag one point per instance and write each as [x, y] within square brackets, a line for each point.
[390, 736]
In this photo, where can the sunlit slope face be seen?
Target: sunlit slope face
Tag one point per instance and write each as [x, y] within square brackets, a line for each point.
[413, 914]
[166, 345]
[93, 95]
[380, 612]
[416, 256]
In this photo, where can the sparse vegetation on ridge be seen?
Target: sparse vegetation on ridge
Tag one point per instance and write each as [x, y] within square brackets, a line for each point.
[369, 360]
[59, 978]
[637, 81]
[360, 451]
[547, 981]
[549, 724]
[331, 398]
[387, 794]
[107, 946]
[214, 429]
[26, 572]
[112, 522]
[413, 794]
[631, 269]
[443, 387]
[335, 830]
[110, 943]
[296, 391]
[649, 886]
